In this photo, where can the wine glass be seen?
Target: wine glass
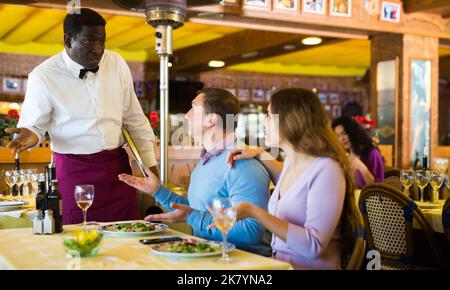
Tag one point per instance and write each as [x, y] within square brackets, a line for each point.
[436, 180]
[84, 196]
[10, 179]
[34, 178]
[223, 211]
[20, 175]
[407, 179]
[26, 181]
[422, 178]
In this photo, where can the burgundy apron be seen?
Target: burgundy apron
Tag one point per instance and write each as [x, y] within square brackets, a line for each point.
[113, 200]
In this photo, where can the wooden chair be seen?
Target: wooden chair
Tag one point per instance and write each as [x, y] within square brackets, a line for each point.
[392, 177]
[353, 259]
[388, 218]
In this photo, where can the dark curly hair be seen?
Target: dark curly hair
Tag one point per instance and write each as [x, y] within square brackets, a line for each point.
[360, 140]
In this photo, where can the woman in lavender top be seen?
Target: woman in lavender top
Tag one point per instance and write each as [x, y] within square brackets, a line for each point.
[364, 157]
[311, 214]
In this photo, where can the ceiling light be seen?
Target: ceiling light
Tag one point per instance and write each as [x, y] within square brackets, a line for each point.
[216, 63]
[311, 40]
[169, 64]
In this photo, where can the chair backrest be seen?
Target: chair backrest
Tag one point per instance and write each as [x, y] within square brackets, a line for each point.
[352, 259]
[388, 217]
[446, 219]
[391, 172]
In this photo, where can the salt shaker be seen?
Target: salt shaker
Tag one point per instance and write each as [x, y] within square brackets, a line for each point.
[38, 223]
[49, 222]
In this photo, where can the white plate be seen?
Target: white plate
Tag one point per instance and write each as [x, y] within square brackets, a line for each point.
[12, 205]
[110, 230]
[428, 205]
[163, 250]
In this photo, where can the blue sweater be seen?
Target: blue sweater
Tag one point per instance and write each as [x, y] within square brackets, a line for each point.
[247, 181]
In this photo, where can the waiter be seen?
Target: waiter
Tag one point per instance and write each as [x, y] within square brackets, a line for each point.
[82, 97]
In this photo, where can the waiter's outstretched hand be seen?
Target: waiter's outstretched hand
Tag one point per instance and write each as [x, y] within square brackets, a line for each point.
[148, 184]
[24, 139]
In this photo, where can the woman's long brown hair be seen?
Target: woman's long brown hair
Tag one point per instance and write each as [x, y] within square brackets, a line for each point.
[304, 124]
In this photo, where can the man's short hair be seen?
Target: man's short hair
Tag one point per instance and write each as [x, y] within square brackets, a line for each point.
[220, 102]
[74, 22]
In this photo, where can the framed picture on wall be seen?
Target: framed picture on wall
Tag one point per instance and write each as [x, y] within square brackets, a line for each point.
[372, 6]
[323, 97]
[286, 5]
[335, 98]
[12, 85]
[243, 95]
[341, 8]
[327, 109]
[314, 6]
[390, 11]
[257, 4]
[336, 111]
[258, 95]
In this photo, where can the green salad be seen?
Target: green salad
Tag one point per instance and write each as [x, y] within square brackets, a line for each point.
[191, 247]
[135, 227]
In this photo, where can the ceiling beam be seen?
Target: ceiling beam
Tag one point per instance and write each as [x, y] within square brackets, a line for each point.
[424, 5]
[239, 47]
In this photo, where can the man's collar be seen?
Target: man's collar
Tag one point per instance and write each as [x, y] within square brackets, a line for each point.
[220, 146]
[71, 65]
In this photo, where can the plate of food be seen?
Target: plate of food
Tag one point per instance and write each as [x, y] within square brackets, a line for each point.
[10, 205]
[190, 248]
[133, 229]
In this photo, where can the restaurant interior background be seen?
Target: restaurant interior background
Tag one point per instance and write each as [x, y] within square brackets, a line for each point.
[386, 61]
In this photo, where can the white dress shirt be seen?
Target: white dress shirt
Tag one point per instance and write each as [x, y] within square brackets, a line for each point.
[85, 116]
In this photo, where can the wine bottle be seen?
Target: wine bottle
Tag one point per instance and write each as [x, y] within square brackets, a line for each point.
[15, 189]
[427, 190]
[55, 204]
[51, 175]
[41, 196]
[417, 165]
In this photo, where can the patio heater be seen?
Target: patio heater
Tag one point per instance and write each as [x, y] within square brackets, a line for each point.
[165, 16]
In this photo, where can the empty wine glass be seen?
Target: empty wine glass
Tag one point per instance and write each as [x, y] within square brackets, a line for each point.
[223, 211]
[422, 178]
[26, 181]
[436, 180]
[33, 178]
[84, 196]
[10, 179]
[20, 179]
[407, 179]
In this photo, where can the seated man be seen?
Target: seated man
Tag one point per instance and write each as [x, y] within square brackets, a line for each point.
[247, 181]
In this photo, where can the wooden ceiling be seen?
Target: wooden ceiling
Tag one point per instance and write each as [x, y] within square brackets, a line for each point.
[36, 30]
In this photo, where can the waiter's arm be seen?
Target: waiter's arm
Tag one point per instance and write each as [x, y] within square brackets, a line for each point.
[35, 115]
[136, 122]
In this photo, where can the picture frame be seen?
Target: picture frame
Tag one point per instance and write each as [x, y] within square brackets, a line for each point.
[341, 8]
[244, 95]
[336, 111]
[269, 95]
[11, 85]
[286, 6]
[390, 11]
[335, 98]
[257, 4]
[258, 95]
[314, 6]
[323, 97]
[327, 109]
[372, 6]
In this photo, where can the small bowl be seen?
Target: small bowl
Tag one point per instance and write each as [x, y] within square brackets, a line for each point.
[82, 243]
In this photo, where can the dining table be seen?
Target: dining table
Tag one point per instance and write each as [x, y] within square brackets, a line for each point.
[23, 250]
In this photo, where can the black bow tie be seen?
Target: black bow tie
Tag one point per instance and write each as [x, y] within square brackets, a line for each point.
[83, 71]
